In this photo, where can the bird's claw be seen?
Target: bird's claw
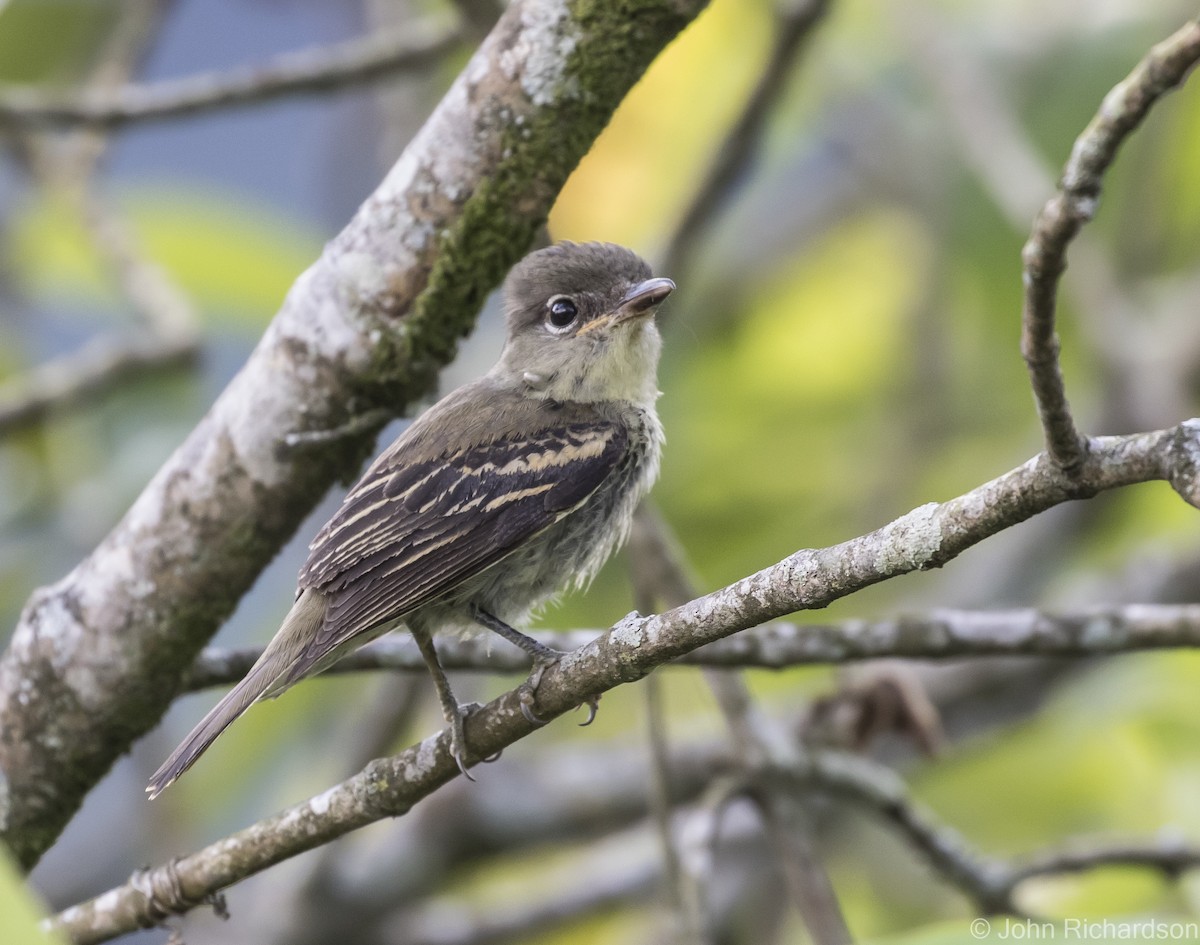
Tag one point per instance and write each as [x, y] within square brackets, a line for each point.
[593, 705]
[528, 698]
[458, 739]
[527, 692]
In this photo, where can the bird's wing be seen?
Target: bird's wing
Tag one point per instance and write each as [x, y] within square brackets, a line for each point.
[412, 531]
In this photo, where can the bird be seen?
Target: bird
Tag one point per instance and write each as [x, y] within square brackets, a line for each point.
[507, 491]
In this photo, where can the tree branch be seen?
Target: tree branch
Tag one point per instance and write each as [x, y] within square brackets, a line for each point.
[1044, 255]
[929, 536]
[939, 635]
[320, 69]
[990, 883]
[97, 657]
[1168, 855]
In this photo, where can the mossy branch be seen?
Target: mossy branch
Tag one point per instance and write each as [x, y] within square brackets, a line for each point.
[97, 658]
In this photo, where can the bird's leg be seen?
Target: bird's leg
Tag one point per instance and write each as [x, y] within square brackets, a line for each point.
[539, 651]
[450, 707]
[543, 656]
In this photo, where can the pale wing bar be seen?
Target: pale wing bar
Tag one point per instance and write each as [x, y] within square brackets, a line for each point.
[382, 556]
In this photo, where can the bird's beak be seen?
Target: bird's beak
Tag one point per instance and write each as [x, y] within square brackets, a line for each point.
[642, 299]
[639, 301]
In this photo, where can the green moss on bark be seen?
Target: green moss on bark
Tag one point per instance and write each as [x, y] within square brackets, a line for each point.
[615, 42]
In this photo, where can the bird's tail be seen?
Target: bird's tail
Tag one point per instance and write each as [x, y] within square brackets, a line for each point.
[266, 678]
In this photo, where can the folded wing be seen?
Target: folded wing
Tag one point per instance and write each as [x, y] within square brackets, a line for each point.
[410, 532]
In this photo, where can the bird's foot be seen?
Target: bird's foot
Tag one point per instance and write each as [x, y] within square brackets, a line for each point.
[458, 737]
[543, 658]
[527, 691]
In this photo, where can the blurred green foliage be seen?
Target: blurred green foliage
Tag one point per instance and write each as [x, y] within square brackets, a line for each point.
[20, 914]
[235, 258]
[52, 41]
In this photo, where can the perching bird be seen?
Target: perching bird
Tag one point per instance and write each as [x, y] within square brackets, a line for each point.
[500, 495]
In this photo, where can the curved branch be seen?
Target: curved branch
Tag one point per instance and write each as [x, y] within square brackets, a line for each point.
[929, 536]
[97, 657]
[1044, 255]
[990, 883]
[321, 69]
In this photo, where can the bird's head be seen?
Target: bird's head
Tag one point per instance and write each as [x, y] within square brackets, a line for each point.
[581, 324]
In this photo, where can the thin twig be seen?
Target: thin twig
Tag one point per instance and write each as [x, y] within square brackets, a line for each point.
[990, 883]
[319, 69]
[794, 23]
[689, 917]
[990, 139]
[1169, 855]
[170, 337]
[71, 379]
[652, 582]
[77, 155]
[789, 832]
[659, 557]
[1044, 255]
[662, 568]
[156, 298]
[853, 779]
[661, 578]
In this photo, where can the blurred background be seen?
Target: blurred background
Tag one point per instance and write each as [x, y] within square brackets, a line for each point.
[842, 348]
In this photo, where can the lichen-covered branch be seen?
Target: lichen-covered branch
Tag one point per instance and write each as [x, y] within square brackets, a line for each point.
[321, 69]
[929, 536]
[97, 657]
[1044, 255]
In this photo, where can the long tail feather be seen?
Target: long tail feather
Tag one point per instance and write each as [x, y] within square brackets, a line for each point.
[264, 679]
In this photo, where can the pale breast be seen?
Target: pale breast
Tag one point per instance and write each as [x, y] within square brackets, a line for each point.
[571, 551]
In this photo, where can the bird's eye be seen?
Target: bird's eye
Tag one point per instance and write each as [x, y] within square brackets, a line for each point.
[561, 312]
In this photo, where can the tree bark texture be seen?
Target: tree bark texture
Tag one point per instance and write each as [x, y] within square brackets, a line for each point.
[98, 657]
